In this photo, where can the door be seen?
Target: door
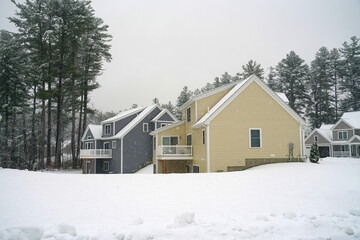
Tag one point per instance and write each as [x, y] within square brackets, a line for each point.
[87, 167]
[324, 151]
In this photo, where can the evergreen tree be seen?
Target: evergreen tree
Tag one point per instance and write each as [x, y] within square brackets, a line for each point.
[155, 101]
[169, 107]
[335, 73]
[321, 87]
[272, 80]
[210, 86]
[251, 68]
[350, 85]
[184, 96]
[225, 78]
[314, 153]
[216, 83]
[292, 75]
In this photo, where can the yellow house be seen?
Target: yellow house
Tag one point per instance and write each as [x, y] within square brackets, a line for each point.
[230, 128]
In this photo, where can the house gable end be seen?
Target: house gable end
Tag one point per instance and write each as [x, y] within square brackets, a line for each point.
[321, 139]
[341, 125]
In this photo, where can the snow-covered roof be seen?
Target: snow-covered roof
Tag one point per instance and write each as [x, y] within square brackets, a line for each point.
[237, 90]
[352, 118]
[162, 113]
[283, 97]
[123, 114]
[208, 93]
[325, 131]
[135, 121]
[96, 130]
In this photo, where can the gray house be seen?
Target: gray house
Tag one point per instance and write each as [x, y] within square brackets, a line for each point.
[122, 144]
[341, 139]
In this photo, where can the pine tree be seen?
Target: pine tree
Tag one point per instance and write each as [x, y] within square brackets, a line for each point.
[292, 75]
[169, 107]
[225, 78]
[251, 68]
[272, 80]
[314, 153]
[321, 108]
[350, 85]
[335, 73]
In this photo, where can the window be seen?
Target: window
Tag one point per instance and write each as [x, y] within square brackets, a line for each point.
[106, 145]
[89, 137]
[316, 138]
[188, 114]
[196, 168]
[107, 129]
[189, 140]
[145, 127]
[114, 144]
[163, 124]
[170, 140]
[188, 169]
[203, 136]
[255, 138]
[106, 165]
[343, 135]
[88, 145]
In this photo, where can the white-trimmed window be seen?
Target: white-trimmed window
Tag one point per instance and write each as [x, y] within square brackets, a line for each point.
[343, 135]
[114, 144]
[255, 137]
[106, 165]
[107, 129]
[316, 138]
[88, 137]
[145, 127]
[188, 114]
[170, 140]
[163, 124]
[88, 145]
[203, 136]
[106, 145]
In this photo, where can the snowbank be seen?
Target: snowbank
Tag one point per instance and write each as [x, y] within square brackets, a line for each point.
[276, 201]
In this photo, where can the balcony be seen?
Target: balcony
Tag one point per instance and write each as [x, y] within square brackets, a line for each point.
[176, 152]
[341, 153]
[95, 153]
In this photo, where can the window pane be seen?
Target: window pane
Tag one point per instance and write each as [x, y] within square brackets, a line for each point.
[255, 142]
[174, 140]
[166, 141]
[255, 134]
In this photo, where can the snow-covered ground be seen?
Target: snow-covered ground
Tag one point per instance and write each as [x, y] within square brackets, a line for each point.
[276, 201]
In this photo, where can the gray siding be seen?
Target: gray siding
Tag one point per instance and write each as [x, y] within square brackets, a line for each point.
[89, 134]
[321, 139]
[357, 132]
[123, 122]
[342, 125]
[138, 145]
[165, 117]
[336, 135]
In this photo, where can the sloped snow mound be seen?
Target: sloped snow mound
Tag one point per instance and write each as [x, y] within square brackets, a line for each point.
[25, 233]
[184, 219]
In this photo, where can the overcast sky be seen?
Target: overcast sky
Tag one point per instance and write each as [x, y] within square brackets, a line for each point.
[159, 46]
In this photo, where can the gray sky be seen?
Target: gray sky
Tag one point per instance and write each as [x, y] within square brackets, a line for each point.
[159, 46]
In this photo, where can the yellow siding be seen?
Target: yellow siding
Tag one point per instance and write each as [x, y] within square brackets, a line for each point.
[210, 101]
[252, 108]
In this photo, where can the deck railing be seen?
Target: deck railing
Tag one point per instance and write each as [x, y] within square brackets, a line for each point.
[174, 151]
[341, 153]
[95, 153]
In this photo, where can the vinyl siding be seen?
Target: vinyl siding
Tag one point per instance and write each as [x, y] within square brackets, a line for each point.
[321, 139]
[252, 108]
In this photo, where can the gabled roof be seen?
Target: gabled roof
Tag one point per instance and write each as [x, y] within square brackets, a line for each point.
[96, 131]
[352, 118]
[134, 122]
[166, 127]
[208, 93]
[324, 131]
[233, 93]
[353, 138]
[123, 115]
[162, 113]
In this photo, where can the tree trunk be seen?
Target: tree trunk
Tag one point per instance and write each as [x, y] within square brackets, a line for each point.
[80, 133]
[33, 150]
[25, 139]
[73, 126]
[43, 130]
[59, 123]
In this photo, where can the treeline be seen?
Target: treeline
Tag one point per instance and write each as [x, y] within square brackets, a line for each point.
[47, 70]
[320, 93]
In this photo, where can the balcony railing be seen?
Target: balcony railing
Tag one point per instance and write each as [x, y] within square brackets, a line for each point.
[341, 153]
[95, 153]
[174, 152]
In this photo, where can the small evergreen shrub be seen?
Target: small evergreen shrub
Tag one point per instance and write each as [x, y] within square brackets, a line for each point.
[314, 153]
